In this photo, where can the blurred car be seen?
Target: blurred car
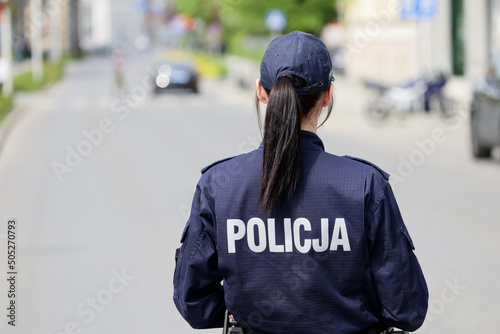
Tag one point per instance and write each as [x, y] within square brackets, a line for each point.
[485, 117]
[181, 75]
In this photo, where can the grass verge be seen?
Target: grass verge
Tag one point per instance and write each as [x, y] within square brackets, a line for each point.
[24, 82]
[6, 104]
[51, 72]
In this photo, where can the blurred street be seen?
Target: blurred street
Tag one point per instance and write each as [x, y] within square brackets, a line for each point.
[101, 189]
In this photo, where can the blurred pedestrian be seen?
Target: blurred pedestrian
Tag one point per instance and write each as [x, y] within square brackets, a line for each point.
[118, 63]
[303, 241]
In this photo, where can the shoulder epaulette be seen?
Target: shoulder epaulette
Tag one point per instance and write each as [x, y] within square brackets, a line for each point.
[366, 162]
[205, 169]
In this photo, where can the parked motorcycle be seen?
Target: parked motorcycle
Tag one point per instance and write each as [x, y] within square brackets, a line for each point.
[421, 94]
[485, 117]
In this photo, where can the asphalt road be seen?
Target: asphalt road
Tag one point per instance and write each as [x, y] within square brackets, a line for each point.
[99, 183]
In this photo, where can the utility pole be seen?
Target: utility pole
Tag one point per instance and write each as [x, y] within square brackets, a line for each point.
[7, 85]
[74, 27]
[36, 40]
[55, 34]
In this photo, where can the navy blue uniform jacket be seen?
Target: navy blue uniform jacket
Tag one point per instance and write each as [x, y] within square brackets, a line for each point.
[336, 259]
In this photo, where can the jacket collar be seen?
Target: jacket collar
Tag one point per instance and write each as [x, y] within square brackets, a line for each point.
[309, 141]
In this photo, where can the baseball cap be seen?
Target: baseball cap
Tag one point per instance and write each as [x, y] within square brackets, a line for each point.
[300, 54]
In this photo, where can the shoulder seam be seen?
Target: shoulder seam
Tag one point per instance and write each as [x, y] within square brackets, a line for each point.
[368, 163]
[205, 169]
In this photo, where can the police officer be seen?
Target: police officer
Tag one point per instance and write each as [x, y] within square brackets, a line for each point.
[291, 239]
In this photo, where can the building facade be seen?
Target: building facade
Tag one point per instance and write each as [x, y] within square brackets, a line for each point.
[52, 24]
[95, 24]
[458, 37]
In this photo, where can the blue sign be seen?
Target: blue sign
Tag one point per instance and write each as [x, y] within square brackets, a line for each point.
[418, 9]
[428, 8]
[276, 20]
[141, 5]
[409, 9]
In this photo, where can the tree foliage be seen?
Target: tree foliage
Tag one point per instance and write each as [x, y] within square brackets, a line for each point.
[248, 16]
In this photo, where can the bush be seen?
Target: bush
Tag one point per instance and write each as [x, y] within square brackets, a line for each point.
[211, 66]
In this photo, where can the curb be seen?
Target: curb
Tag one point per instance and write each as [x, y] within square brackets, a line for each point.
[10, 121]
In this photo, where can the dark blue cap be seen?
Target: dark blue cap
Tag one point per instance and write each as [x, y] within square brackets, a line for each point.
[299, 54]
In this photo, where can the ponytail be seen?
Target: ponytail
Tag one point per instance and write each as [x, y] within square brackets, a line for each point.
[281, 165]
[282, 149]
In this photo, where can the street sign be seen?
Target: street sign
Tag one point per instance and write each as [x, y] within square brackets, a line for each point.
[141, 5]
[418, 9]
[428, 8]
[276, 20]
[409, 9]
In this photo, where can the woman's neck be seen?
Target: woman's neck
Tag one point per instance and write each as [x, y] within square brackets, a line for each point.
[308, 126]
[310, 123]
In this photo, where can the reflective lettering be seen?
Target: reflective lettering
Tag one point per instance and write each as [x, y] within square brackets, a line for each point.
[339, 236]
[261, 230]
[272, 237]
[324, 237]
[259, 235]
[296, 234]
[232, 236]
[288, 235]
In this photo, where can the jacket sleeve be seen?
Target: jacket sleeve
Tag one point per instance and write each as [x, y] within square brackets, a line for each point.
[198, 293]
[397, 276]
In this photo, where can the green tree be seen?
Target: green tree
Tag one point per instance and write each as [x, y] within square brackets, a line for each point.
[248, 16]
[306, 15]
[196, 8]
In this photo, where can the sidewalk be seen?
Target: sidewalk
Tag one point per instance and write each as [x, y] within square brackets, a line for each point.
[16, 114]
